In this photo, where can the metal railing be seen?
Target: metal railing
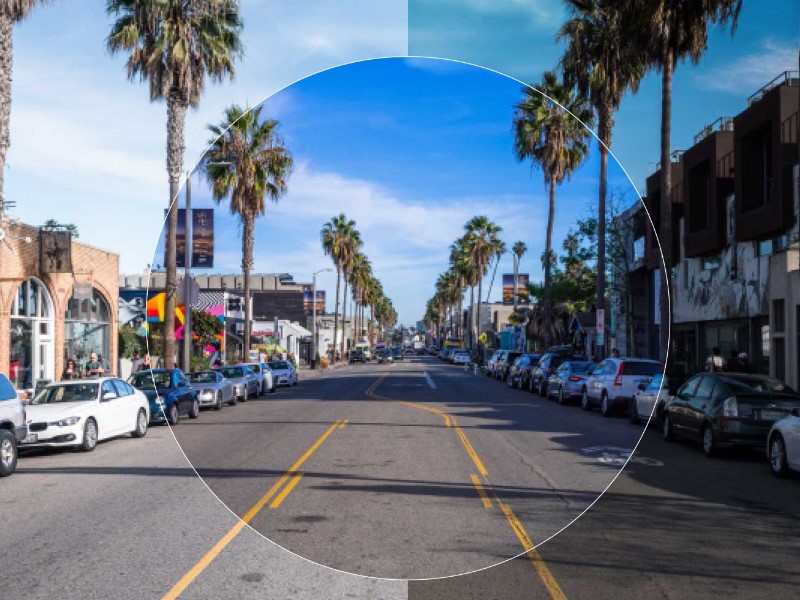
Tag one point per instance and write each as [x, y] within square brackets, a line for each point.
[720, 124]
[790, 78]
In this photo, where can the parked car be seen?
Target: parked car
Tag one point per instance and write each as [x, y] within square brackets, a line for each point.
[460, 357]
[567, 381]
[245, 382]
[651, 398]
[13, 426]
[213, 390]
[615, 381]
[547, 365]
[358, 355]
[491, 364]
[727, 409]
[783, 444]
[520, 370]
[84, 411]
[503, 363]
[385, 356]
[170, 394]
[397, 353]
[284, 371]
[265, 377]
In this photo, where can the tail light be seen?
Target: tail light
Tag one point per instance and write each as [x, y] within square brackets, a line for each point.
[574, 378]
[620, 373]
[730, 408]
[549, 370]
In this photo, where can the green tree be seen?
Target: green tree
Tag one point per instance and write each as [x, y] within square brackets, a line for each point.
[603, 69]
[547, 133]
[71, 227]
[336, 237]
[481, 243]
[175, 45]
[205, 328]
[247, 163]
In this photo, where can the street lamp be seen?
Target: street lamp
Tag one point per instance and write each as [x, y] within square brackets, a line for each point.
[314, 315]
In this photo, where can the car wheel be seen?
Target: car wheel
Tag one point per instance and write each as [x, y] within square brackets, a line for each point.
[605, 407]
[666, 428]
[710, 447]
[295, 382]
[585, 400]
[273, 389]
[218, 403]
[8, 453]
[141, 424]
[89, 442]
[173, 415]
[633, 412]
[244, 396]
[195, 411]
[561, 399]
[234, 399]
[777, 456]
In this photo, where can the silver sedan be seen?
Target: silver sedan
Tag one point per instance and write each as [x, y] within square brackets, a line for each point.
[213, 389]
[568, 380]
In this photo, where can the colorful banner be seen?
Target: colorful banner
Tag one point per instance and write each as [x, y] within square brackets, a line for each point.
[508, 288]
[203, 238]
[308, 307]
[180, 239]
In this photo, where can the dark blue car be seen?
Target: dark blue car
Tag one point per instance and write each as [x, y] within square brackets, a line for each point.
[170, 394]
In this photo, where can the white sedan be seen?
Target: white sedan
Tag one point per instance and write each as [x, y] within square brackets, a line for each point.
[460, 358]
[783, 444]
[82, 412]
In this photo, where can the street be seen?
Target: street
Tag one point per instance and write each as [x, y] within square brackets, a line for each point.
[418, 470]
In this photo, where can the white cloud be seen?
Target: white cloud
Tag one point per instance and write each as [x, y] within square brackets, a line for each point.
[539, 12]
[751, 71]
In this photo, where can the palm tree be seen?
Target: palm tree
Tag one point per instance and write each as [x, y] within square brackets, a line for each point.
[547, 132]
[481, 242]
[360, 276]
[667, 31]
[11, 11]
[334, 236]
[350, 249]
[517, 250]
[603, 69]
[175, 45]
[247, 161]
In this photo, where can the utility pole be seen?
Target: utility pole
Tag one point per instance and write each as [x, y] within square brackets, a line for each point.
[187, 282]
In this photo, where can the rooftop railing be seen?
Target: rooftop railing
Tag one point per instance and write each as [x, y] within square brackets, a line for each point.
[790, 78]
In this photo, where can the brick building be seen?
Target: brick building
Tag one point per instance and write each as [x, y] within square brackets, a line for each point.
[58, 299]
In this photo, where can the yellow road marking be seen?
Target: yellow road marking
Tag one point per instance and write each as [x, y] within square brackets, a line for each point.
[487, 503]
[287, 490]
[206, 560]
[470, 450]
[371, 393]
[343, 423]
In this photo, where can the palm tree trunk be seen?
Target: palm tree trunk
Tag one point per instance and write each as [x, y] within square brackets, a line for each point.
[6, 65]
[336, 313]
[472, 317]
[666, 206]
[176, 118]
[248, 226]
[604, 129]
[548, 303]
[344, 312]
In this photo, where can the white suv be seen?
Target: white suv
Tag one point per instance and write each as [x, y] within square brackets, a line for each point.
[615, 382]
[13, 428]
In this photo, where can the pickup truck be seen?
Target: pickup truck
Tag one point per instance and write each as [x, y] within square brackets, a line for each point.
[13, 426]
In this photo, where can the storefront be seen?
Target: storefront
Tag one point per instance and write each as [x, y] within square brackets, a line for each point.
[87, 329]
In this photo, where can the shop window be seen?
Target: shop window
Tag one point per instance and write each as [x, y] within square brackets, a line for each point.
[87, 326]
[30, 342]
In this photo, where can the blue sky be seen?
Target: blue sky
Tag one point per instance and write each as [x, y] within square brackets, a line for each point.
[517, 37]
[410, 149]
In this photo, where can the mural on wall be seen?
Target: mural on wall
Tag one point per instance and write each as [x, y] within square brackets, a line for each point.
[731, 286]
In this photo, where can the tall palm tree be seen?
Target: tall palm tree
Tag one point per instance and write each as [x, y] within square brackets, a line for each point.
[603, 69]
[667, 31]
[334, 236]
[547, 133]
[482, 242]
[175, 45]
[360, 275]
[11, 11]
[247, 162]
[517, 250]
[350, 249]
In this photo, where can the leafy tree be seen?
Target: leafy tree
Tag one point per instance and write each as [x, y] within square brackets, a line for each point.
[206, 328]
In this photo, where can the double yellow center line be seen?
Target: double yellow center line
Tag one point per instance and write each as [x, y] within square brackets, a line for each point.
[485, 489]
[292, 475]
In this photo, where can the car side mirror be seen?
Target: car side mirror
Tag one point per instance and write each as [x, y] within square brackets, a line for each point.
[108, 396]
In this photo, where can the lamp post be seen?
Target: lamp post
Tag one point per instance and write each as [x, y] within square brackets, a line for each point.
[187, 282]
[314, 315]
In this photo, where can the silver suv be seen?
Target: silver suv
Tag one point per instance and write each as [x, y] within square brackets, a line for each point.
[13, 428]
[616, 381]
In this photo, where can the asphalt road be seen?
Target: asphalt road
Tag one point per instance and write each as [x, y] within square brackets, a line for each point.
[416, 470]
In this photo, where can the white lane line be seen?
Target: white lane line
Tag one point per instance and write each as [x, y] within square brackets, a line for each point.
[430, 381]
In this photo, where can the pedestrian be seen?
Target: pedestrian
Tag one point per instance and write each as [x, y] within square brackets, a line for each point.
[715, 361]
[734, 363]
[744, 362]
[136, 361]
[615, 353]
[71, 371]
[94, 368]
[146, 364]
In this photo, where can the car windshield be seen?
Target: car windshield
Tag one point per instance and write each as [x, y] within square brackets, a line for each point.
[232, 372]
[7, 391]
[639, 367]
[80, 392]
[755, 383]
[278, 365]
[203, 377]
[145, 381]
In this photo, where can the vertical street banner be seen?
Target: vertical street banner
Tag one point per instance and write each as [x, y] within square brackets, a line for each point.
[308, 306]
[203, 238]
[180, 239]
[508, 288]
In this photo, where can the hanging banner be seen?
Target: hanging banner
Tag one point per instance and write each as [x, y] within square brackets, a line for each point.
[55, 251]
[180, 239]
[203, 238]
[320, 303]
[522, 288]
